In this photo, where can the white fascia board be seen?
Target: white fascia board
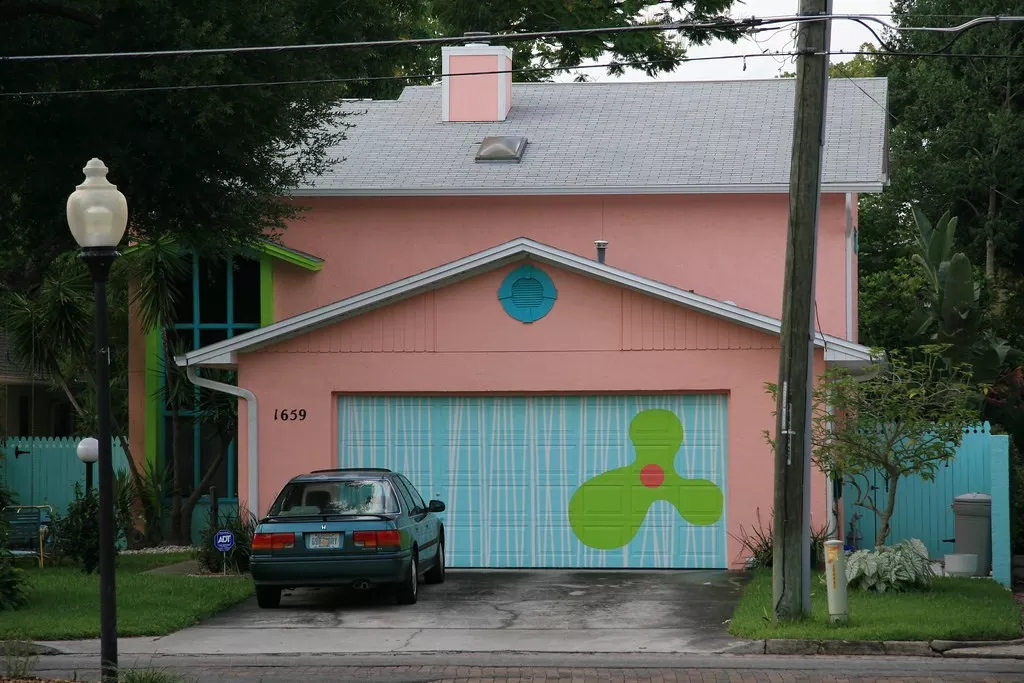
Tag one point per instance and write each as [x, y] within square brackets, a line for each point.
[225, 352]
[476, 50]
[860, 188]
[839, 350]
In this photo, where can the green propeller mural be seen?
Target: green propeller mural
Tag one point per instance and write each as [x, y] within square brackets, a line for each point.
[606, 512]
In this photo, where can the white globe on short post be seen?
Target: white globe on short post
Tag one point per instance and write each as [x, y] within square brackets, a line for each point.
[88, 452]
[98, 215]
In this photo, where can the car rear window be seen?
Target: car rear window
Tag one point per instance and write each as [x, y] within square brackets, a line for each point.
[348, 497]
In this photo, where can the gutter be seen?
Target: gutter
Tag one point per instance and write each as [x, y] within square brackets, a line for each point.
[849, 267]
[576, 190]
[252, 413]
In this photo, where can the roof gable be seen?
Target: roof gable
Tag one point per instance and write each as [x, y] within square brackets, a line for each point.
[587, 315]
[610, 138]
[225, 353]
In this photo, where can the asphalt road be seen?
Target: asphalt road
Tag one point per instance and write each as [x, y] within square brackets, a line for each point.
[501, 668]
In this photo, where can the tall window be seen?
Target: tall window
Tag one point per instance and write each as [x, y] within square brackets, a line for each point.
[220, 299]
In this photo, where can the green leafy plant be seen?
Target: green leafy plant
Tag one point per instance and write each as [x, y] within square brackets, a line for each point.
[1016, 501]
[243, 526]
[20, 659]
[150, 487]
[953, 312]
[900, 567]
[14, 591]
[77, 533]
[758, 544]
[125, 508]
[151, 676]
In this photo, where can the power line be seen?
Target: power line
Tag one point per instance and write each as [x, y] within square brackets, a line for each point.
[433, 77]
[723, 25]
[370, 79]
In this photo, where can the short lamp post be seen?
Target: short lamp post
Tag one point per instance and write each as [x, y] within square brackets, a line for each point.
[97, 215]
[88, 452]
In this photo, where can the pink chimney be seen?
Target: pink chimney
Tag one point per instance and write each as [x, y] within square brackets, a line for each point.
[484, 96]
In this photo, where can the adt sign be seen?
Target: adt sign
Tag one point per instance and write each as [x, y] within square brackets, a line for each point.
[224, 541]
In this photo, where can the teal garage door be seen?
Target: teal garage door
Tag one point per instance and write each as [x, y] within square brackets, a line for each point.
[557, 481]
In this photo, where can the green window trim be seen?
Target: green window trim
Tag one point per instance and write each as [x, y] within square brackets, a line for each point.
[155, 411]
[266, 290]
[261, 247]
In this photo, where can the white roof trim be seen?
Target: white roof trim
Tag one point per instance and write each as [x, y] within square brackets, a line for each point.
[842, 188]
[225, 353]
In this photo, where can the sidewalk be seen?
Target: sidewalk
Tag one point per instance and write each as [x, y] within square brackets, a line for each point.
[563, 668]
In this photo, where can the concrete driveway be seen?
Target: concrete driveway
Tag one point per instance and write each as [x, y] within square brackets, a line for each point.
[481, 611]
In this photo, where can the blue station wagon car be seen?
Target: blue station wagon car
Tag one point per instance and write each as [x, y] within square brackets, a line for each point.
[348, 527]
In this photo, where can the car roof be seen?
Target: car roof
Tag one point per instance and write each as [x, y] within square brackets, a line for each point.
[344, 473]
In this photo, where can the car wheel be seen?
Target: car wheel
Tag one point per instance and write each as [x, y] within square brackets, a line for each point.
[436, 573]
[268, 597]
[408, 589]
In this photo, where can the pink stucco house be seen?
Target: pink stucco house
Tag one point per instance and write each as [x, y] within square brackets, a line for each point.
[552, 306]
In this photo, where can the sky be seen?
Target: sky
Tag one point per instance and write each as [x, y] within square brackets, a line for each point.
[846, 35]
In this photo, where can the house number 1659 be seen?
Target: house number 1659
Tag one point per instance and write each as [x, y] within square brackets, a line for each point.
[286, 414]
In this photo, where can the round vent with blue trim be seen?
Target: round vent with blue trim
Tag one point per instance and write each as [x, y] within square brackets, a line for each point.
[527, 294]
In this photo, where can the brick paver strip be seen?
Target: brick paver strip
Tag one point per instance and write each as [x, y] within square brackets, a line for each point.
[467, 674]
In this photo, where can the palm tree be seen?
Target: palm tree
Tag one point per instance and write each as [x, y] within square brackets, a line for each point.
[50, 331]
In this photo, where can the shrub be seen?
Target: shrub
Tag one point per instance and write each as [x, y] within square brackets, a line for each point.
[759, 544]
[150, 488]
[19, 659]
[1016, 500]
[151, 676]
[124, 510]
[242, 525]
[77, 534]
[13, 583]
[899, 567]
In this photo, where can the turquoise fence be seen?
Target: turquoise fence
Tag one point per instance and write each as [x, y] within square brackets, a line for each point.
[43, 470]
[924, 508]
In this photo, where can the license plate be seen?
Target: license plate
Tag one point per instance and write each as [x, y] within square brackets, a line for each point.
[323, 541]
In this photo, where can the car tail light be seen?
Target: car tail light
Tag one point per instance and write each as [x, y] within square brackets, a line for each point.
[273, 541]
[377, 539]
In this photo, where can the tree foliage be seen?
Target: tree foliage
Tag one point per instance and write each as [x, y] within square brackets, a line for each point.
[859, 66]
[207, 166]
[660, 52]
[958, 132]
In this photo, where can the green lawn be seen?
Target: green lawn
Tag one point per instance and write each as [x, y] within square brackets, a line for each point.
[955, 609]
[64, 602]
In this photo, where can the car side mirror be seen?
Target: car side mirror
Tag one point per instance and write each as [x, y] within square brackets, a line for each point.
[435, 506]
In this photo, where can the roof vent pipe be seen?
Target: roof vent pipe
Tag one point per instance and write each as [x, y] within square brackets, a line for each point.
[602, 246]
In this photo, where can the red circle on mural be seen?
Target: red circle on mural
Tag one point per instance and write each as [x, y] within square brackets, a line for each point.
[652, 476]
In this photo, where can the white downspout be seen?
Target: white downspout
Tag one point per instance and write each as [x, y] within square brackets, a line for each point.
[252, 412]
[849, 267]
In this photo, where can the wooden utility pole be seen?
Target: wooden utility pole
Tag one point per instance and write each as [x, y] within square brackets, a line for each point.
[791, 562]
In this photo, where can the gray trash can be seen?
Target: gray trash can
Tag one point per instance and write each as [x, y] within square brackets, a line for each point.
[973, 528]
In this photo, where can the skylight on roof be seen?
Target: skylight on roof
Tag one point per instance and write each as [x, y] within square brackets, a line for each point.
[501, 148]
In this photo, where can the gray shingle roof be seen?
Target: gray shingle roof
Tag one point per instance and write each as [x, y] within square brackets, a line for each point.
[723, 136]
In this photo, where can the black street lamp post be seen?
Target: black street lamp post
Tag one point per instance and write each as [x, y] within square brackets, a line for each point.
[97, 215]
